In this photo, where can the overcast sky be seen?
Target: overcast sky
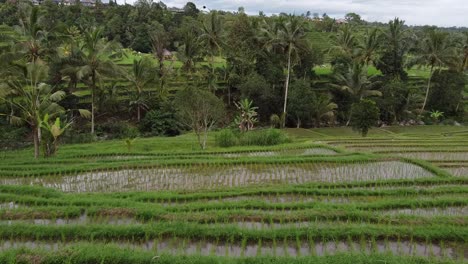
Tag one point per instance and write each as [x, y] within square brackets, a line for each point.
[414, 12]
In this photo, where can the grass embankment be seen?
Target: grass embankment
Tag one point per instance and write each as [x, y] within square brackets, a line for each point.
[91, 253]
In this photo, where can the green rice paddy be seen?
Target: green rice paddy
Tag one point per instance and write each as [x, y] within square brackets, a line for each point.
[398, 196]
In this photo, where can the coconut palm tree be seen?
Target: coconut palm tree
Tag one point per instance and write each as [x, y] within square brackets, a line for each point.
[289, 35]
[368, 47]
[140, 77]
[292, 36]
[32, 34]
[190, 51]
[345, 41]
[356, 82]
[96, 56]
[436, 51]
[463, 48]
[159, 43]
[212, 35]
[398, 41]
[322, 107]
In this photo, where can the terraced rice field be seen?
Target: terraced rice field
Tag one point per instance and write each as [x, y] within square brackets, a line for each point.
[387, 199]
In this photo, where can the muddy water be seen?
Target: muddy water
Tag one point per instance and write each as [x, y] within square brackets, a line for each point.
[81, 220]
[215, 177]
[435, 155]
[449, 211]
[279, 248]
[10, 205]
[458, 171]
[295, 152]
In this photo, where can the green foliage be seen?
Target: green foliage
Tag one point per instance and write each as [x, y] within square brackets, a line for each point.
[117, 130]
[264, 137]
[301, 101]
[364, 115]
[256, 87]
[226, 138]
[446, 94]
[161, 122]
[275, 121]
[247, 116]
[199, 110]
[436, 115]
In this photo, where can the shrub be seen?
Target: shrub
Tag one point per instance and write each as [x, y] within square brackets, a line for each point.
[226, 138]
[118, 130]
[267, 137]
[13, 137]
[75, 136]
[161, 122]
[364, 115]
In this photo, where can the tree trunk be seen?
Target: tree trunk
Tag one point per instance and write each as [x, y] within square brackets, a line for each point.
[349, 118]
[93, 88]
[298, 123]
[286, 85]
[138, 113]
[427, 90]
[36, 142]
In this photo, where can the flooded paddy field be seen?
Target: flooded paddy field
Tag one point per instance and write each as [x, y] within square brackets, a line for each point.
[199, 177]
[405, 198]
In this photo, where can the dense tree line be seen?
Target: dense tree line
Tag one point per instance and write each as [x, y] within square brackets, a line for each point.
[267, 60]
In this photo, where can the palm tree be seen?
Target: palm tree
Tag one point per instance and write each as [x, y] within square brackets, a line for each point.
[189, 51]
[289, 34]
[397, 43]
[322, 107]
[97, 55]
[159, 41]
[464, 51]
[357, 82]
[140, 77]
[369, 46]
[31, 99]
[292, 35]
[247, 116]
[435, 51]
[345, 41]
[212, 35]
[32, 34]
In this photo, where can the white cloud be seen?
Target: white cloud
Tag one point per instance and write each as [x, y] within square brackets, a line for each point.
[414, 12]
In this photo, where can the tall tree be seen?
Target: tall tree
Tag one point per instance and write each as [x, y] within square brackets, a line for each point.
[190, 51]
[213, 31]
[97, 54]
[140, 77]
[290, 35]
[200, 110]
[369, 46]
[397, 43]
[357, 82]
[435, 51]
[31, 43]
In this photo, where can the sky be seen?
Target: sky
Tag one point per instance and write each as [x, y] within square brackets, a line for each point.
[415, 12]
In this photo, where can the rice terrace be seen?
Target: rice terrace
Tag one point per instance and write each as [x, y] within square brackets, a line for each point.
[139, 132]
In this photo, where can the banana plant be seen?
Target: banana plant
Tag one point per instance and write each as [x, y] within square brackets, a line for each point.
[54, 131]
[247, 116]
